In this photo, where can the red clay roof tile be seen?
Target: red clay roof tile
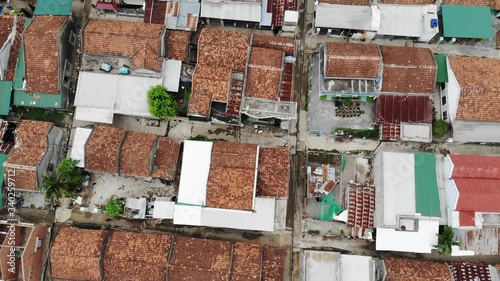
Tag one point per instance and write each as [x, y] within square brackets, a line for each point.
[102, 149]
[284, 44]
[274, 172]
[129, 256]
[408, 70]
[273, 264]
[136, 40]
[177, 44]
[478, 80]
[415, 270]
[352, 60]
[6, 27]
[469, 271]
[42, 55]
[232, 176]
[167, 158]
[264, 73]
[467, 2]
[136, 154]
[76, 252]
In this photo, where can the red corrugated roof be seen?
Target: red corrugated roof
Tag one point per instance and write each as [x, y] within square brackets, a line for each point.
[158, 10]
[475, 166]
[467, 218]
[393, 109]
[480, 195]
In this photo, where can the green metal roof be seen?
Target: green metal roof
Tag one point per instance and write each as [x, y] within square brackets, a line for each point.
[23, 98]
[461, 21]
[3, 158]
[426, 188]
[442, 75]
[5, 95]
[53, 7]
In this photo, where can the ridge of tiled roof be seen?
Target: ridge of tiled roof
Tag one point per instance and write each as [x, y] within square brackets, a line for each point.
[352, 60]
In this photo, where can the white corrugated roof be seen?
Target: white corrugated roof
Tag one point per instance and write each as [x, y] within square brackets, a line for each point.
[346, 16]
[416, 132]
[395, 190]
[356, 268]
[250, 12]
[78, 147]
[172, 75]
[163, 209]
[194, 172]
[404, 20]
[321, 266]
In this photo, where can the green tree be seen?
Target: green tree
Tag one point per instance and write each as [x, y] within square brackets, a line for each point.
[114, 208]
[440, 128]
[63, 182]
[446, 239]
[161, 103]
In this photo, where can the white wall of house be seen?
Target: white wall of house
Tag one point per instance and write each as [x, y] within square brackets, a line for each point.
[475, 131]
[452, 94]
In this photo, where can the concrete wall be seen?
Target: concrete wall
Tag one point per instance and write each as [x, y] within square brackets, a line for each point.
[67, 38]
[32, 261]
[452, 93]
[54, 141]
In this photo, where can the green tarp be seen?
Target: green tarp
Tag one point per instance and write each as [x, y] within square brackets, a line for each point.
[442, 74]
[461, 21]
[5, 96]
[426, 187]
[3, 158]
[328, 207]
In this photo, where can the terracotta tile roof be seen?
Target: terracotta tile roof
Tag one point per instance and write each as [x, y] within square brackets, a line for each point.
[232, 176]
[139, 41]
[167, 158]
[75, 254]
[278, 7]
[264, 73]
[130, 255]
[31, 142]
[177, 44]
[393, 109]
[199, 259]
[274, 172]
[136, 154]
[415, 270]
[6, 27]
[283, 44]
[495, 5]
[209, 83]
[102, 149]
[408, 2]
[33, 133]
[347, 2]
[221, 48]
[158, 10]
[469, 271]
[467, 2]
[273, 264]
[352, 60]
[361, 206]
[408, 70]
[246, 262]
[498, 32]
[42, 55]
[478, 80]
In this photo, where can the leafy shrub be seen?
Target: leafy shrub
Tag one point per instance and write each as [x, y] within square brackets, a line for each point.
[114, 208]
[440, 128]
[161, 103]
[348, 102]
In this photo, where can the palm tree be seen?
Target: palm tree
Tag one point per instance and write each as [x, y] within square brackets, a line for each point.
[446, 239]
[63, 182]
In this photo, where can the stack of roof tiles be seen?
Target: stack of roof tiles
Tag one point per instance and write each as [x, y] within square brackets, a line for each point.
[82, 254]
[469, 271]
[7, 24]
[348, 60]
[408, 70]
[139, 41]
[114, 150]
[42, 54]
[231, 179]
[31, 146]
[480, 88]
[361, 206]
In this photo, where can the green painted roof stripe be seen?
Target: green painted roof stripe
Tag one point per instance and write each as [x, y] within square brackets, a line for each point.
[53, 7]
[442, 75]
[426, 188]
[461, 21]
[5, 96]
[3, 158]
